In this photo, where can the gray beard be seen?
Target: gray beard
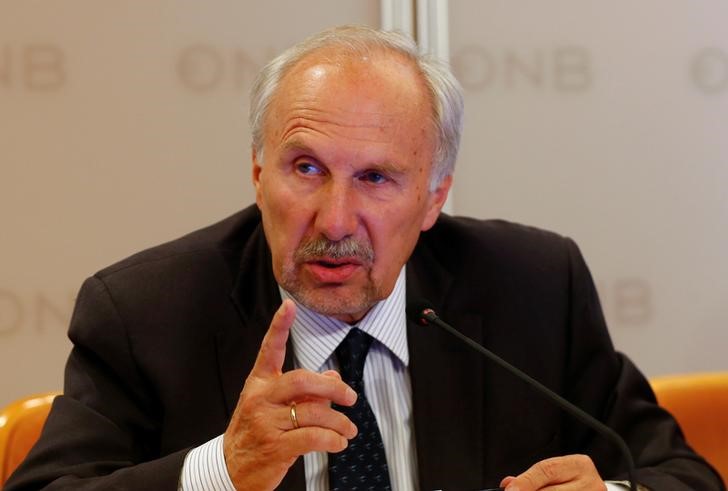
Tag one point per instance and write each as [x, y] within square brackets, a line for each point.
[319, 300]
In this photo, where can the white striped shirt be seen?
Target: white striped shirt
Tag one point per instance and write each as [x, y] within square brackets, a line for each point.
[386, 384]
[386, 380]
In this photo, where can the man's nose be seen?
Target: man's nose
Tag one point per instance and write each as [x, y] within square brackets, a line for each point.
[337, 214]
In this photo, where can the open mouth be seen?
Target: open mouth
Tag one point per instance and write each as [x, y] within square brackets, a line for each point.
[330, 270]
[335, 262]
[332, 264]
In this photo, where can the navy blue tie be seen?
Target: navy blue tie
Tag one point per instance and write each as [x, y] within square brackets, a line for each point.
[363, 465]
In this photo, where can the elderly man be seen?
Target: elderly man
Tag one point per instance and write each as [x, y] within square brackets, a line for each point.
[220, 359]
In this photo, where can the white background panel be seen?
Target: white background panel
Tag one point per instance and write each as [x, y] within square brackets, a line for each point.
[122, 125]
[606, 121]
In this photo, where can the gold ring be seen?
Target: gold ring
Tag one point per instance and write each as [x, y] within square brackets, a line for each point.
[294, 419]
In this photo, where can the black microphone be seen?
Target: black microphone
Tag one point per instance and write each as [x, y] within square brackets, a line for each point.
[421, 312]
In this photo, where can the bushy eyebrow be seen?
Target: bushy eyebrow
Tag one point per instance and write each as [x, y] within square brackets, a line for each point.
[296, 145]
[389, 167]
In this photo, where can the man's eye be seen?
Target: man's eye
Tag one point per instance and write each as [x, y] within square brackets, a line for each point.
[374, 177]
[307, 168]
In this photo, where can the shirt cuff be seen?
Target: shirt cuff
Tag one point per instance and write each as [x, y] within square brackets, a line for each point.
[204, 468]
[617, 485]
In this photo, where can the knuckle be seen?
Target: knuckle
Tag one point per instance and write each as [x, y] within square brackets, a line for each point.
[322, 440]
[312, 415]
[332, 374]
[334, 442]
[550, 468]
[249, 401]
[340, 444]
[340, 419]
[311, 439]
[529, 479]
[348, 428]
[298, 380]
[340, 388]
[583, 460]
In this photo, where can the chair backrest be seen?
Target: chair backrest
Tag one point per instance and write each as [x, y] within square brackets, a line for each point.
[20, 426]
[699, 402]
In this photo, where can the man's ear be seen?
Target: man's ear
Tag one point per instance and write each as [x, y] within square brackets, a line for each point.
[257, 168]
[436, 200]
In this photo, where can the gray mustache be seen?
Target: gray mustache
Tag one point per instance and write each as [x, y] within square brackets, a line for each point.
[345, 248]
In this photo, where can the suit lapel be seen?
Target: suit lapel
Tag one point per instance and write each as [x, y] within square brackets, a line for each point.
[447, 385]
[256, 297]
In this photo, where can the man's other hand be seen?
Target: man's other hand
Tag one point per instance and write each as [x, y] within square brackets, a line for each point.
[261, 443]
[569, 473]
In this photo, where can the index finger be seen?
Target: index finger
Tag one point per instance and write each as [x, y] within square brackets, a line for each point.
[273, 347]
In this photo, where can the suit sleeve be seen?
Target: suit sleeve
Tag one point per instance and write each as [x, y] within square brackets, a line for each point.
[102, 433]
[609, 386]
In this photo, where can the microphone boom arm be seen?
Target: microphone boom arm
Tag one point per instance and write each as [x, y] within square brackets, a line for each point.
[428, 315]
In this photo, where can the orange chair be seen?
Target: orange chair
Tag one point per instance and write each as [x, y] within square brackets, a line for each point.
[699, 402]
[20, 426]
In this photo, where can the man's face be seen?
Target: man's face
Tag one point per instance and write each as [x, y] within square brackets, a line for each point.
[344, 191]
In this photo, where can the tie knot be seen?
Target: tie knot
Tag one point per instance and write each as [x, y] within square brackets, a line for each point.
[352, 353]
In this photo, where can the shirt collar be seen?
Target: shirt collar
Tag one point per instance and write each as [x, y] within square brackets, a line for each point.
[316, 336]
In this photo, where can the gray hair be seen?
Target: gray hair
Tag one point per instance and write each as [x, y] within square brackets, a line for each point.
[445, 91]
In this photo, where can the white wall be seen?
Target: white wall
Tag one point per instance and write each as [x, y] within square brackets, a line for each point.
[608, 122]
[123, 124]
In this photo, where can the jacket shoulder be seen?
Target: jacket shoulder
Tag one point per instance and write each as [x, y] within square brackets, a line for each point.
[496, 241]
[224, 239]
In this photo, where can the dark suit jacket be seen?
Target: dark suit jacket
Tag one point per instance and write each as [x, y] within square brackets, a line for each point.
[164, 340]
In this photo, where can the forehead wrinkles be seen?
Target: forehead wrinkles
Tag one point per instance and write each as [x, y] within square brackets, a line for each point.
[349, 99]
[344, 123]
